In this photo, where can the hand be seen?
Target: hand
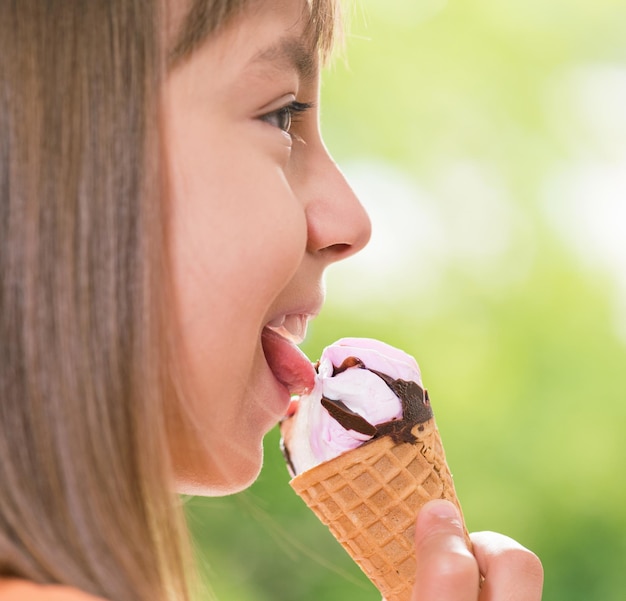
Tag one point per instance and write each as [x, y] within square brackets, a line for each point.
[446, 571]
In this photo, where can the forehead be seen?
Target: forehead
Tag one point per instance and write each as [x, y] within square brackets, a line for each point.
[192, 22]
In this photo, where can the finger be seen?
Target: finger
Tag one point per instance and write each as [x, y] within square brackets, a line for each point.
[511, 571]
[446, 570]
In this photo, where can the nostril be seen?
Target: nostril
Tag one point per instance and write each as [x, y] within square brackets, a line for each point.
[339, 251]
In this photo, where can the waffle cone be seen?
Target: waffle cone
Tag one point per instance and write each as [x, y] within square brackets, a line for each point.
[369, 498]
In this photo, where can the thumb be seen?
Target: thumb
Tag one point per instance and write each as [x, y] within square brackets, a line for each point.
[446, 570]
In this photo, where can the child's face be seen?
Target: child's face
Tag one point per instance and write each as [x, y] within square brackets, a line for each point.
[256, 214]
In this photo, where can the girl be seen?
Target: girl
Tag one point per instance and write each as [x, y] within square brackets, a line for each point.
[167, 211]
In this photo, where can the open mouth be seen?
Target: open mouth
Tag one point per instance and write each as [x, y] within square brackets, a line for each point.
[291, 327]
[290, 366]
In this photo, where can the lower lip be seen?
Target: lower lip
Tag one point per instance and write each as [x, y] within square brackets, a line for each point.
[283, 400]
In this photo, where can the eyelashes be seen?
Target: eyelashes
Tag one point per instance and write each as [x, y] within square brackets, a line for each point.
[284, 117]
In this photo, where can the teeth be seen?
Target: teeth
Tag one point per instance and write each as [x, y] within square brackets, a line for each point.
[292, 327]
[277, 323]
[296, 326]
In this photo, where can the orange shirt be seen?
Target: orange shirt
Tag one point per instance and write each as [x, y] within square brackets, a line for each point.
[21, 590]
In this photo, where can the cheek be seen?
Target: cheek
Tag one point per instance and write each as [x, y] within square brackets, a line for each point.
[229, 263]
[234, 246]
[237, 236]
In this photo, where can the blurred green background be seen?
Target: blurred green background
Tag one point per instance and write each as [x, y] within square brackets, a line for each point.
[488, 141]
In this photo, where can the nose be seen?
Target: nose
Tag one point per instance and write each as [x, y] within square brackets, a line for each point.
[337, 224]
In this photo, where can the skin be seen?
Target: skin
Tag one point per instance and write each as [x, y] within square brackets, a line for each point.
[447, 571]
[285, 213]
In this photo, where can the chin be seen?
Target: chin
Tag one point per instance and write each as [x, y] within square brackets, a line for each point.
[229, 476]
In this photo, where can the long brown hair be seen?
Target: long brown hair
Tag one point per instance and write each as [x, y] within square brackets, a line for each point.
[84, 476]
[85, 473]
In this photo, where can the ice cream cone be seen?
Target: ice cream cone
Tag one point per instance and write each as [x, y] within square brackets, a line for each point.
[369, 498]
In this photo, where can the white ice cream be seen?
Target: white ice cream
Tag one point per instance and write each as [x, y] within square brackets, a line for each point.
[314, 435]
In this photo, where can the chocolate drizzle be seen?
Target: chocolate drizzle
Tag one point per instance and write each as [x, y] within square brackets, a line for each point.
[348, 418]
[416, 407]
[347, 363]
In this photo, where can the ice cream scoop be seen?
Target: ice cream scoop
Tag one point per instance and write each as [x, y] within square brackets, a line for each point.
[363, 389]
[366, 455]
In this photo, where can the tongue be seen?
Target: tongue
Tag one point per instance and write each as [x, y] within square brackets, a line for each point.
[288, 363]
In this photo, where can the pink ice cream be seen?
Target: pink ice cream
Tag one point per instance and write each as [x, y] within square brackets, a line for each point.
[361, 384]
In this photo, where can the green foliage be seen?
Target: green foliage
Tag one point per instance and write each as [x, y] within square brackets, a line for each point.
[519, 346]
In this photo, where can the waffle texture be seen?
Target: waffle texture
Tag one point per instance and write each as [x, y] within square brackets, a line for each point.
[369, 498]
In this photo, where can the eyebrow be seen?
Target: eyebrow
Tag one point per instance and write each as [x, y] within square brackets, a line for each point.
[288, 52]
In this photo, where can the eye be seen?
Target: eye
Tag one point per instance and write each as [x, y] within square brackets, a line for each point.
[284, 117]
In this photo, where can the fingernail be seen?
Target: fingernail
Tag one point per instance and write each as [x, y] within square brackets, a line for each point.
[442, 509]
